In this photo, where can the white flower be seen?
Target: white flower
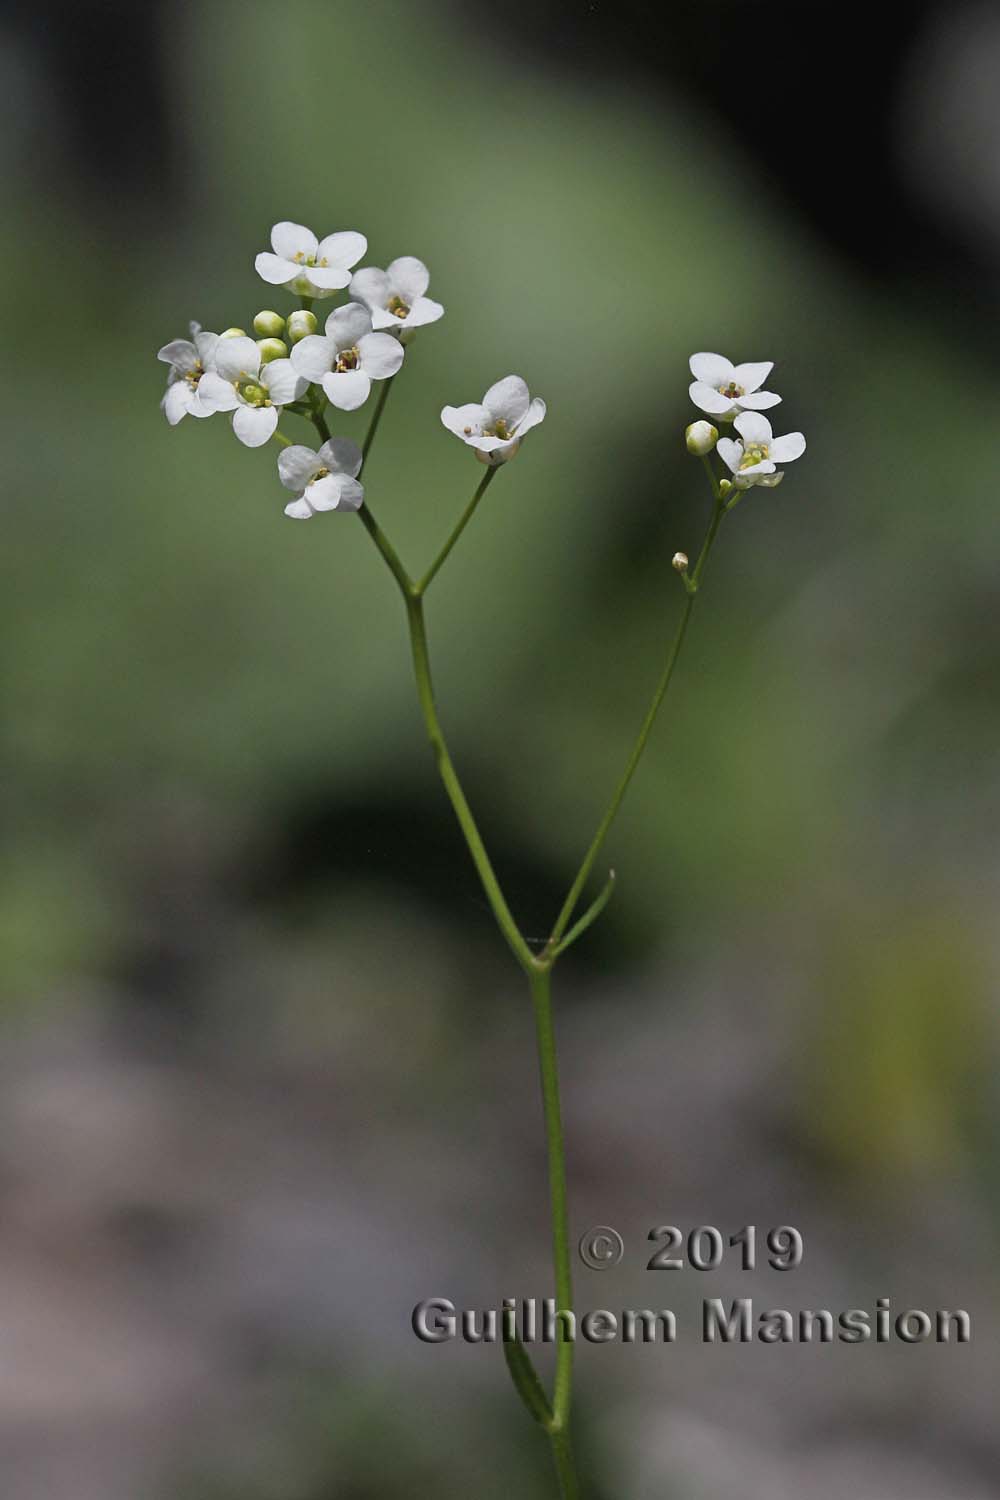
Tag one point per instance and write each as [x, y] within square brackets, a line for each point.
[307, 266]
[188, 360]
[395, 297]
[325, 480]
[495, 427]
[252, 391]
[348, 357]
[724, 389]
[755, 459]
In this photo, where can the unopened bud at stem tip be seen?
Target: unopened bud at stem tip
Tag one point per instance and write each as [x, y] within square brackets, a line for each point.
[679, 562]
[233, 333]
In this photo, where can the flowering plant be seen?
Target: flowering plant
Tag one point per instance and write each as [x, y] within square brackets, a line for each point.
[290, 367]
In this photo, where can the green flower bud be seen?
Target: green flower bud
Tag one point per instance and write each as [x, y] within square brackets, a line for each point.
[300, 324]
[272, 349]
[233, 333]
[701, 438]
[725, 485]
[270, 325]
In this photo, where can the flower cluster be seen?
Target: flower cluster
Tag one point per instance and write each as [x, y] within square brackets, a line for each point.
[732, 393]
[289, 365]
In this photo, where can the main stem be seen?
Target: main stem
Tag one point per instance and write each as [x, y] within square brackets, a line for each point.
[558, 1429]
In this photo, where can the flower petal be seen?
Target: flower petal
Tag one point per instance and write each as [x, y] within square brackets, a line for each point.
[206, 344]
[707, 398]
[324, 493]
[347, 324]
[297, 465]
[299, 509]
[342, 456]
[380, 355]
[289, 240]
[253, 425]
[508, 399]
[313, 356]
[283, 381]
[370, 286]
[423, 310]
[335, 492]
[532, 417]
[328, 278]
[345, 248]
[176, 401]
[731, 453]
[753, 428]
[752, 376]
[180, 353]
[218, 393]
[465, 421]
[759, 401]
[784, 449]
[237, 359]
[713, 369]
[409, 277]
[274, 269]
[347, 389]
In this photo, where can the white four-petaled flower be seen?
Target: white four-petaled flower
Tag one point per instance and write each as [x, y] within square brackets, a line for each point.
[306, 265]
[348, 357]
[755, 458]
[724, 389]
[252, 391]
[496, 425]
[396, 297]
[325, 480]
[188, 360]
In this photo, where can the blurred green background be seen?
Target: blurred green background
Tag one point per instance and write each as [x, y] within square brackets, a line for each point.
[268, 1072]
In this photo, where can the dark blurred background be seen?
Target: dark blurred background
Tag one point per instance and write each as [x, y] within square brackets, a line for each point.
[268, 1076]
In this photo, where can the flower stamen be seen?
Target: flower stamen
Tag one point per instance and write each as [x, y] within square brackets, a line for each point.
[347, 360]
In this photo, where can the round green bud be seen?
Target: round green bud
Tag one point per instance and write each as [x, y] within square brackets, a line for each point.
[300, 324]
[701, 438]
[725, 486]
[233, 333]
[272, 349]
[269, 325]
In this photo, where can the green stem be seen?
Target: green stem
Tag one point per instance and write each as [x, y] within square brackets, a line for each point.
[320, 424]
[576, 890]
[388, 551]
[463, 521]
[541, 994]
[452, 785]
[383, 397]
[279, 437]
